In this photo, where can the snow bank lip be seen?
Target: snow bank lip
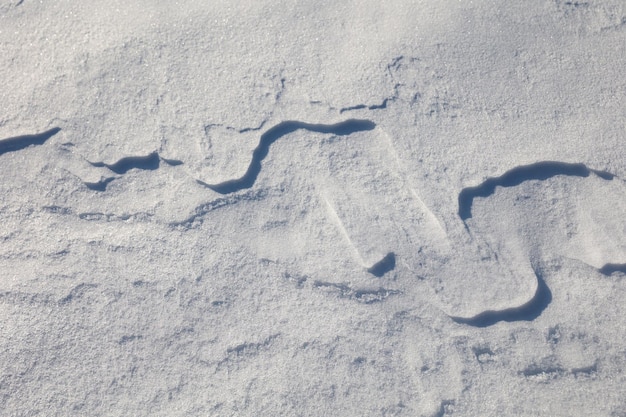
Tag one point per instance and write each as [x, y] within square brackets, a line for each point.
[538, 171]
[345, 128]
[20, 142]
[526, 312]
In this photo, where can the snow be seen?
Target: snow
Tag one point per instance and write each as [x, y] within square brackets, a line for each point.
[401, 208]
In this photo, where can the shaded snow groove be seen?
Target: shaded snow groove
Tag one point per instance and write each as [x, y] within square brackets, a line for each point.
[365, 296]
[383, 266]
[20, 142]
[246, 351]
[344, 128]
[537, 171]
[149, 162]
[380, 106]
[206, 208]
[549, 370]
[526, 312]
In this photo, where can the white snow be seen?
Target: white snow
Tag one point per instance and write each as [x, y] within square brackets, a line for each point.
[481, 167]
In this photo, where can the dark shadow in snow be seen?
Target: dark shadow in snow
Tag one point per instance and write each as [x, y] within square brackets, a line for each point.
[383, 266]
[149, 162]
[380, 106]
[609, 269]
[526, 312]
[20, 142]
[538, 171]
[100, 185]
[172, 162]
[344, 128]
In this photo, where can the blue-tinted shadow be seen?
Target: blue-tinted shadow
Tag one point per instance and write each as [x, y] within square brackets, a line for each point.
[609, 269]
[272, 135]
[383, 266]
[20, 142]
[100, 185]
[526, 312]
[516, 176]
[149, 162]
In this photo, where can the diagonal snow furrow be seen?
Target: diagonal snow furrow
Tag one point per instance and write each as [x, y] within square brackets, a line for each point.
[20, 142]
[537, 171]
[526, 312]
[344, 128]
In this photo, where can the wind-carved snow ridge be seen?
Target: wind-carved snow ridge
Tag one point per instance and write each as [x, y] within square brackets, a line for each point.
[344, 128]
[537, 171]
[20, 142]
[526, 312]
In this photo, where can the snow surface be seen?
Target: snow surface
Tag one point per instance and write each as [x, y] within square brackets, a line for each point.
[313, 208]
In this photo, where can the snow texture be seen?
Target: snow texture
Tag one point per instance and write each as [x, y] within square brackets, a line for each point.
[313, 208]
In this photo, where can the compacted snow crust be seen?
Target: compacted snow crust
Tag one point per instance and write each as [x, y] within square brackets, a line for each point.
[313, 208]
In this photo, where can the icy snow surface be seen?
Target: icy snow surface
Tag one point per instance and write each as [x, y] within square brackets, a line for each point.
[313, 208]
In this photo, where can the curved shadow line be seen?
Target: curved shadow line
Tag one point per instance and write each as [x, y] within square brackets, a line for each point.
[537, 171]
[149, 162]
[20, 142]
[526, 312]
[100, 185]
[344, 128]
